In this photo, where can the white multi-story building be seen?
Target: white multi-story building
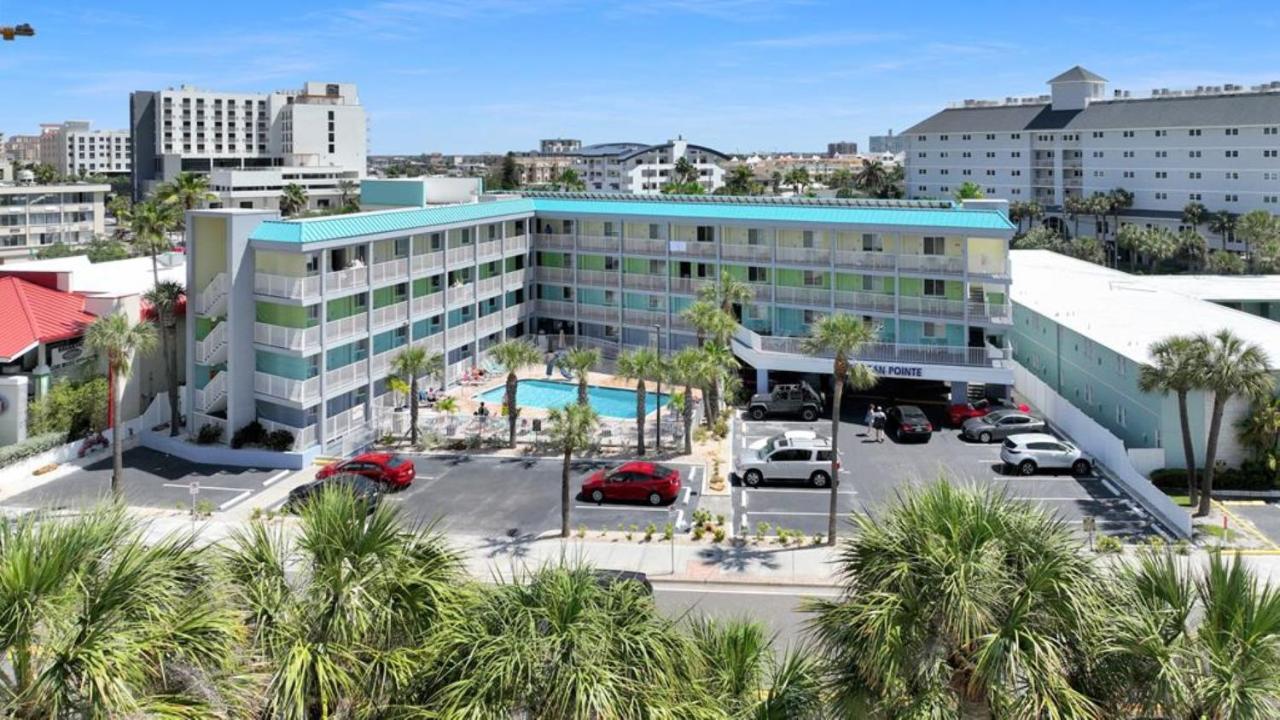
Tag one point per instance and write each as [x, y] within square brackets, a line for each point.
[261, 188]
[33, 216]
[187, 129]
[644, 169]
[559, 146]
[1218, 146]
[73, 149]
[23, 149]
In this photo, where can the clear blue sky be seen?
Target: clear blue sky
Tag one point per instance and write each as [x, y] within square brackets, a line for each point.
[491, 75]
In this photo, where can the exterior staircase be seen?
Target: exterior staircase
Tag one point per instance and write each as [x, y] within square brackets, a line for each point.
[213, 298]
[213, 396]
[212, 350]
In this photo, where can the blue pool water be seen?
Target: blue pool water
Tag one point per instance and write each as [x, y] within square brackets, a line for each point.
[608, 402]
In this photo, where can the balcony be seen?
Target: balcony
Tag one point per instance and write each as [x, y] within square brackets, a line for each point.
[632, 318]
[349, 279]
[516, 278]
[513, 315]
[643, 246]
[212, 350]
[548, 241]
[736, 251]
[489, 250]
[598, 278]
[431, 343]
[336, 331]
[993, 313]
[428, 304]
[894, 353]
[517, 244]
[427, 261]
[803, 296]
[931, 264]
[603, 313]
[864, 301]
[930, 307]
[296, 339]
[608, 244]
[989, 267]
[644, 281]
[391, 315]
[345, 377]
[460, 295]
[561, 276]
[804, 255]
[345, 422]
[462, 334]
[389, 272]
[382, 361]
[689, 286]
[884, 262]
[763, 292]
[303, 392]
[556, 308]
[213, 396]
[489, 286]
[460, 256]
[489, 324]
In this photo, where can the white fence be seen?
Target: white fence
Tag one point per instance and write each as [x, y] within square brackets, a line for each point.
[1107, 449]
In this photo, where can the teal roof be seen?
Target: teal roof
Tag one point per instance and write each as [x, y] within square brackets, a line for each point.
[390, 221]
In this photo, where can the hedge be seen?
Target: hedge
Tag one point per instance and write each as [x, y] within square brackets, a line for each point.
[31, 447]
[1251, 475]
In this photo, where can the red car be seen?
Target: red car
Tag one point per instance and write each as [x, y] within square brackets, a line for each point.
[646, 481]
[957, 414]
[387, 468]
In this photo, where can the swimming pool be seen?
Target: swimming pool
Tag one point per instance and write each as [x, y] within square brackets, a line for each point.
[608, 402]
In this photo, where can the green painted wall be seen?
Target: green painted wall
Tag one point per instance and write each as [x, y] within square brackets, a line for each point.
[639, 266]
[344, 307]
[591, 262]
[490, 269]
[554, 259]
[428, 285]
[390, 295]
[795, 278]
[293, 316]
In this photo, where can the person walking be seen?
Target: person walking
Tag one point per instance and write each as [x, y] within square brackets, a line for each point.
[869, 419]
[877, 421]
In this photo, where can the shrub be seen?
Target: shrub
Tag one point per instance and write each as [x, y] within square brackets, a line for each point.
[762, 529]
[718, 535]
[698, 531]
[582, 531]
[818, 538]
[668, 531]
[1107, 545]
[721, 428]
[631, 531]
[701, 516]
[649, 531]
[280, 440]
[700, 434]
[74, 408]
[1182, 547]
[209, 434]
[31, 447]
[1252, 475]
[251, 434]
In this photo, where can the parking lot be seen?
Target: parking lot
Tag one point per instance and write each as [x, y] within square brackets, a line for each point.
[874, 473]
[491, 496]
[151, 479]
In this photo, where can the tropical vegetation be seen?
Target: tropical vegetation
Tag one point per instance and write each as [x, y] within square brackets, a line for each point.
[513, 356]
[410, 365]
[642, 365]
[569, 430]
[118, 341]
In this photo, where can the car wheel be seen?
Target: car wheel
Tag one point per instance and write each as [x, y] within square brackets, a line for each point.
[597, 495]
[984, 437]
[757, 413]
[1026, 467]
[808, 414]
[655, 498]
[820, 479]
[752, 478]
[1080, 467]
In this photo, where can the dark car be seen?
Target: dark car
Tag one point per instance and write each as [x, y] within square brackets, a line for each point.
[395, 471]
[647, 481]
[364, 489]
[907, 422]
[609, 578]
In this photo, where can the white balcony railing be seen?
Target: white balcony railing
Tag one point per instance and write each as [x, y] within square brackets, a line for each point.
[554, 275]
[804, 255]
[694, 248]
[336, 331]
[344, 422]
[930, 307]
[866, 260]
[462, 334]
[212, 350]
[457, 256]
[489, 286]
[598, 278]
[555, 241]
[871, 302]
[933, 264]
[298, 391]
[517, 244]
[286, 286]
[607, 313]
[894, 353]
[631, 318]
[427, 261]
[513, 315]
[803, 296]
[297, 339]
[689, 286]
[516, 278]
[736, 251]
[489, 324]
[389, 271]
[345, 376]
[1000, 313]
[213, 396]
[556, 307]
[356, 277]
[428, 304]
[382, 362]
[213, 298]
[489, 250]
[643, 281]
[644, 246]
[461, 294]
[609, 244]
[431, 343]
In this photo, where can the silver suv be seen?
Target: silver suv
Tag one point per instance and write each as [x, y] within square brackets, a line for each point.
[794, 462]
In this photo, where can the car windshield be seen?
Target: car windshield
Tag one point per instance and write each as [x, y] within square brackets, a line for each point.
[396, 461]
[662, 471]
[992, 417]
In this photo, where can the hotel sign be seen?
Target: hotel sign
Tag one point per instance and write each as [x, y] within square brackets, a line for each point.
[903, 371]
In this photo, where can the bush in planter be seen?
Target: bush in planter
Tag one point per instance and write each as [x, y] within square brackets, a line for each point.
[1252, 475]
[31, 447]
[251, 434]
[209, 434]
[280, 440]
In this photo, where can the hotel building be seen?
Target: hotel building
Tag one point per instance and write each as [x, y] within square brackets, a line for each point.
[295, 322]
[73, 148]
[33, 216]
[1218, 145]
[645, 169]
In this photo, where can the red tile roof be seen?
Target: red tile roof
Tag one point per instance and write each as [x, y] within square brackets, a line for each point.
[33, 314]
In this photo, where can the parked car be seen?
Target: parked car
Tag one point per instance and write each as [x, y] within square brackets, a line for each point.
[794, 399]
[1000, 424]
[958, 413]
[907, 422]
[646, 481]
[783, 439]
[394, 471]
[803, 461]
[1030, 452]
[370, 491]
[609, 578]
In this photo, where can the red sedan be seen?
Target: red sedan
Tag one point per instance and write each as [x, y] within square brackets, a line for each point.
[957, 414]
[650, 482]
[387, 468]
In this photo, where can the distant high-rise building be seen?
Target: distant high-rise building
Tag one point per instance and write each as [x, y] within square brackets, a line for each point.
[881, 144]
[844, 147]
[186, 129]
[22, 148]
[645, 169]
[73, 148]
[559, 146]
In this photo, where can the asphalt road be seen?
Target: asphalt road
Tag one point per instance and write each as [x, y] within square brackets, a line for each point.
[779, 608]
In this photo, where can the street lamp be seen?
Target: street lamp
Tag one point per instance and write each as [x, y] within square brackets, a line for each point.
[657, 347]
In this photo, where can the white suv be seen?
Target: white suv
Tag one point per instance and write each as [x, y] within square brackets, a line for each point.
[796, 461]
[1030, 452]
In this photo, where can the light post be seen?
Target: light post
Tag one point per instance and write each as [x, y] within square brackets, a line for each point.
[657, 348]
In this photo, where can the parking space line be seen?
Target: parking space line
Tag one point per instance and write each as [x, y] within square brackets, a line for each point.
[684, 495]
[745, 498]
[235, 500]
[792, 512]
[806, 491]
[622, 508]
[1042, 498]
[186, 486]
[679, 520]
[274, 478]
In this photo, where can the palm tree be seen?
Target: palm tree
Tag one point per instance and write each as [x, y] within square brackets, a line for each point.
[1192, 245]
[563, 645]
[1118, 200]
[1177, 365]
[841, 335]
[514, 356]
[569, 430]
[727, 293]
[969, 190]
[164, 298]
[150, 222]
[1194, 213]
[684, 172]
[347, 188]
[1231, 367]
[749, 681]
[101, 621]
[341, 609]
[569, 180]
[1159, 244]
[688, 368]
[720, 364]
[414, 362]
[115, 338]
[1259, 431]
[871, 177]
[1075, 206]
[641, 365]
[710, 321]
[1131, 238]
[293, 199]
[1223, 223]
[1257, 228]
[960, 602]
[798, 178]
[580, 362]
[121, 208]
[739, 180]
[187, 191]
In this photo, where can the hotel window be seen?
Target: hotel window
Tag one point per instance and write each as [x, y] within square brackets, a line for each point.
[991, 136]
[1097, 134]
[943, 171]
[1161, 133]
[1233, 175]
[655, 267]
[1088, 393]
[942, 138]
[653, 231]
[1194, 132]
[706, 233]
[935, 246]
[922, 154]
[1127, 133]
[1193, 153]
[990, 154]
[922, 171]
[869, 284]
[1269, 153]
[753, 236]
[965, 137]
[923, 138]
[935, 288]
[1128, 173]
[757, 274]
[608, 230]
[1233, 131]
[806, 239]
[933, 331]
[1122, 417]
[1194, 196]
[1015, 136]
[1231, 198]
[1269, 199]
[1120, 365]
[1232, 153]
[1193, 176]
[966, 154]
[813, 278]
[1161, 175]
[872, 242]
[1015, 154]
[1162, 153]
[1162, 196]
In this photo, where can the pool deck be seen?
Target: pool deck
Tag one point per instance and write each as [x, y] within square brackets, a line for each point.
[468, 395]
